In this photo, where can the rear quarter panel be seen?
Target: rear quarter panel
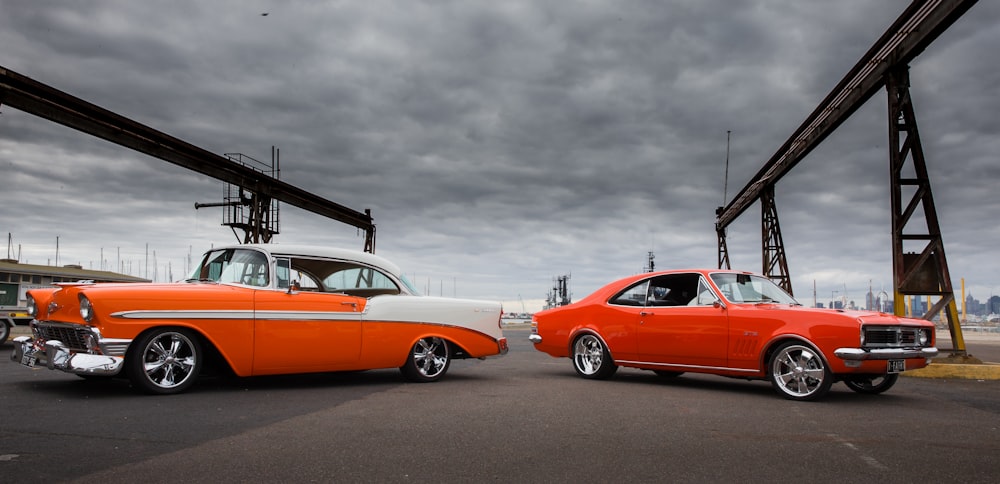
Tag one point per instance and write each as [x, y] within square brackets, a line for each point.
[614, 324]
[391, 325]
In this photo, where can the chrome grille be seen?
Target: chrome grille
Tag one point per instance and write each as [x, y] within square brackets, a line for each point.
[891, 336]
[71, 335]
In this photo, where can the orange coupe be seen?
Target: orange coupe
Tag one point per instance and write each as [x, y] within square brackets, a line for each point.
[258, 310]
[732, 324]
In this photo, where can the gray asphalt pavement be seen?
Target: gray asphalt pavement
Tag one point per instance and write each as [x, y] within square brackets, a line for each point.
[525, 417]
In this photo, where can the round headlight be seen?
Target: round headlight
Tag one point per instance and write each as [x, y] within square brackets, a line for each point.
[86, 310]
[925, 337]
[32, 307]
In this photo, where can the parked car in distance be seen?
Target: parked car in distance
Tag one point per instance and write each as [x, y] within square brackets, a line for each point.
[258, 310]
[733, 324]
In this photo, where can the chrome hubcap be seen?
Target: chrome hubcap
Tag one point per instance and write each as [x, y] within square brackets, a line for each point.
[169, 360]
[430, 355]
[588, 353]
[798, 370]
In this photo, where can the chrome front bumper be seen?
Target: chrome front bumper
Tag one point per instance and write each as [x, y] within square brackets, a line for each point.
[858, 354]
[57, 356]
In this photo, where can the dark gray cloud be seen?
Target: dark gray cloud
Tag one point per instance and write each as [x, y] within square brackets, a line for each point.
[498, 144]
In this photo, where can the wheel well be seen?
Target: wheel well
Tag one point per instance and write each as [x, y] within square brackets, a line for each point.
[774, 345]
[213, 361]
[582, 331]
[456, 350]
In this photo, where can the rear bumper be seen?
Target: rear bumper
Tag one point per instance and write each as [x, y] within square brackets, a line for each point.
[859, 354]
[57, 356]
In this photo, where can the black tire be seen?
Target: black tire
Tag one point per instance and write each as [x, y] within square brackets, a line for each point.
[164, 361]
[871, 384]
[4, 332]
[798, 372]
[428, 361]
[668, 374]
[591, 358]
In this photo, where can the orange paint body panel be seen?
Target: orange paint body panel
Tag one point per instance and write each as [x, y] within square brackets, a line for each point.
[731, 324]
[265, 310]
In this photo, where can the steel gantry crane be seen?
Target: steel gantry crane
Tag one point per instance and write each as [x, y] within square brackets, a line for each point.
[886, 64]
[260, 189]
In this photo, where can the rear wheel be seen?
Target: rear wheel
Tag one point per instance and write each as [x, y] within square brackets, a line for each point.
[591, 359]
[798, 372]
[428, 361]
[164, 361]
[871, 384]
[4, 332]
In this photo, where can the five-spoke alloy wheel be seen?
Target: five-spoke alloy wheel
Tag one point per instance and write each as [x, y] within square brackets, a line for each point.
[798, 372]
[428, 361]
[591, 358]
[164, 361]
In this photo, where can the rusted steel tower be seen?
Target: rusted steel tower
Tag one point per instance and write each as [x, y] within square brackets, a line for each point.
[886, 64]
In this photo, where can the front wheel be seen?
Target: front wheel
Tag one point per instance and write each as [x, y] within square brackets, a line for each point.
[164, 361]
[591, 359]
[428, 361]
[798, 372]
[4, 332]
[871, 384]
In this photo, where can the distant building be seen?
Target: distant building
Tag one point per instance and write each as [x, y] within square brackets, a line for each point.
[16, 279]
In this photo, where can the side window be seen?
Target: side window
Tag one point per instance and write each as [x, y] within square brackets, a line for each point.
[673, 290]
[633, 296]
[358, 277]
[283, 271]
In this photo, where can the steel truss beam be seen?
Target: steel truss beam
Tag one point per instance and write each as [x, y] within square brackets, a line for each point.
[916, 28]
[33, 97]
[922, 273]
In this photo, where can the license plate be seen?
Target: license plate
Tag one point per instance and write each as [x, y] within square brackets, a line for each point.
[29, 359]
[896, 366]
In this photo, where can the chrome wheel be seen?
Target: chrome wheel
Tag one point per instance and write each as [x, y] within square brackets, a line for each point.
[591, 358]
[798, 372]
[428, 361]
[871, 384]
[164, 361]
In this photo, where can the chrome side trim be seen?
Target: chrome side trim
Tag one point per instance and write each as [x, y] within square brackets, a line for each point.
[184, 314]
[858, 354]
[692, 367]
[240, 314]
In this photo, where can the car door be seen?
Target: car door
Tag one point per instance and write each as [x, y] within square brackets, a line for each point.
[681, 325]
[306, 331]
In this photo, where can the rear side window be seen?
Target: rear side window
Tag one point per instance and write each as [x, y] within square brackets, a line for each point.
[633, 296]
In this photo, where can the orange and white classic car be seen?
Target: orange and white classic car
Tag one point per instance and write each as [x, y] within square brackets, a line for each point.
[259, 310]
[732, 324]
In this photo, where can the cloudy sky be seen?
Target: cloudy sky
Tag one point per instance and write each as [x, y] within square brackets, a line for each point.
[498, 144]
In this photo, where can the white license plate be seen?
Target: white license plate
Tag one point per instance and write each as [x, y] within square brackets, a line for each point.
[896, 366]
[29, 359]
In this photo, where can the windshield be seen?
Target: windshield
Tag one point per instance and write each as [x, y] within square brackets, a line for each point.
[749, 288]
[248, 267]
